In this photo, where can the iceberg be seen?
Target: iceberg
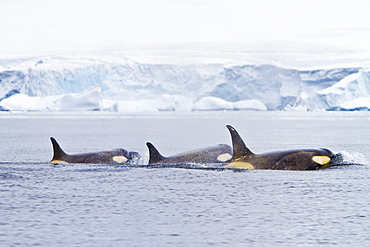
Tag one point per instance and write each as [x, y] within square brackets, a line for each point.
[362, 103]
[88, 100]
[252, 104]
[273, 86]
[212, 103]
[23, 102]
[165, 103]
[119, 84]
[216, 104]
[349, 93]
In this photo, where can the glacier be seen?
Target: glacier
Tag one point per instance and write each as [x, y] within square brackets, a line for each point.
[71, 83]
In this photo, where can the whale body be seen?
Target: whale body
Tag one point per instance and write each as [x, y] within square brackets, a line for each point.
[118, 155]
[221, 153]
[300, 159]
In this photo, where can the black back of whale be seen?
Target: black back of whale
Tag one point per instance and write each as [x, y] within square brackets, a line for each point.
[300, 159]
[95, 158]
[207, 155]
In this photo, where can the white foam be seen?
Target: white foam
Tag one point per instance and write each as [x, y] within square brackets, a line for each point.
[353, 158]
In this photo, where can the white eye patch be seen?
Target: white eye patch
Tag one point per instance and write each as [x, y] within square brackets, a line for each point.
[224, 157]
[119, 159]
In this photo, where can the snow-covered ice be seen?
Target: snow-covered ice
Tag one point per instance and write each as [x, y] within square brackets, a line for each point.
[350, 93]
[214, 103]
[118, 83]
[88, 100]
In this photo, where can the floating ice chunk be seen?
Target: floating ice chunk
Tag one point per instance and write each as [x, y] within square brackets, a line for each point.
[88, 100]
[215, 104]
[163, 103]
[212, 104]
[22, 102]
[357, 104]
[134, 106]
[252, 104]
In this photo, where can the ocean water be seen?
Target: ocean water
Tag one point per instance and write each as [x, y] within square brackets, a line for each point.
[115, 205]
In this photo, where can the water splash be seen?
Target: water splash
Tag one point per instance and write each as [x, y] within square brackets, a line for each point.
[347, 158]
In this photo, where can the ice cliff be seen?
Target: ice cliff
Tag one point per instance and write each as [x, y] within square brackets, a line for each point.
[118, 84]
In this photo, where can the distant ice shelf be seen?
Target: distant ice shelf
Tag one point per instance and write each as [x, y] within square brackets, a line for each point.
[123, 85]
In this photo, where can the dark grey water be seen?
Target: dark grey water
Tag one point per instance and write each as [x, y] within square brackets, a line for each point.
[107, 205]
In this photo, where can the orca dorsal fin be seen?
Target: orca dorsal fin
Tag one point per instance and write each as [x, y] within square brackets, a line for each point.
[59, 154]
[240, 150]
[154, 155]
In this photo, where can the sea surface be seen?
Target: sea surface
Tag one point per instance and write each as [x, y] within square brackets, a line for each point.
[43, 204]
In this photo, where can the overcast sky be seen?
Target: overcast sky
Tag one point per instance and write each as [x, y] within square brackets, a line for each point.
[47, 24]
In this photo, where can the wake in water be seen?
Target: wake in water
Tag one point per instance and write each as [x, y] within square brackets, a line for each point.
[347, 158]
[341, 159]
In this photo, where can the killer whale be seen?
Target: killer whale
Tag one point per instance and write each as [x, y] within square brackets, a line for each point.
[118, 155]
[221, 153]
[300, 159]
